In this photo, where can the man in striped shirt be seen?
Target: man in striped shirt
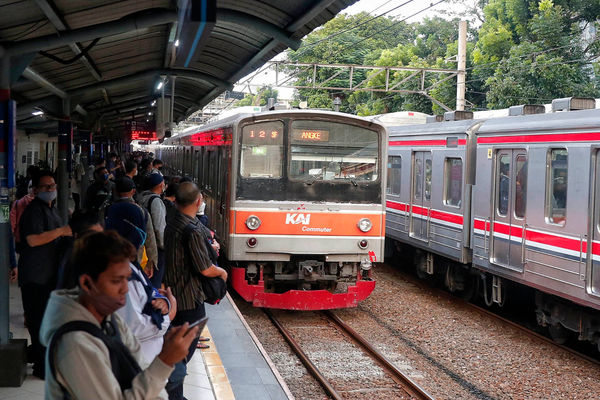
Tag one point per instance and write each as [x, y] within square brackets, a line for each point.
[186, 261]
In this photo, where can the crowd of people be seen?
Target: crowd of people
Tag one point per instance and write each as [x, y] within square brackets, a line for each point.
[110, 297]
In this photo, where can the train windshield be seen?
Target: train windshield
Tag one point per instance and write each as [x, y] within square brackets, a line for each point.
[331, 151]
[262, 150]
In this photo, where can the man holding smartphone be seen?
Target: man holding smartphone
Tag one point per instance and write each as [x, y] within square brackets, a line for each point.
[187, 261]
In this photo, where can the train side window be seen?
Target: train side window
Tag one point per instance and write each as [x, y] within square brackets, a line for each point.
[520, 185]
[556, 186]
[453, 174]
[262, 150]
[418, 179]
[393, 175]
[503, 189]
[428, 168]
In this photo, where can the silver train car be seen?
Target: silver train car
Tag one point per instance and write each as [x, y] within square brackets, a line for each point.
[297, 200]
[514, 200]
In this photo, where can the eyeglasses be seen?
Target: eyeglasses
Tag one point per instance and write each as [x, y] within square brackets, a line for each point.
[48, 187]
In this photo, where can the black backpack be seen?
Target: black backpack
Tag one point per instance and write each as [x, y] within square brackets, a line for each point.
[214, 288]
[123, 365]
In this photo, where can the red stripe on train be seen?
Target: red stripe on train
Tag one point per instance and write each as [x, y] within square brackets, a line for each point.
[559, 137]
[435, 214]
[431, 142]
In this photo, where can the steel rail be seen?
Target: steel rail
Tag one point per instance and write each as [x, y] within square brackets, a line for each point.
[304, 358]
[398, 376]
[483, 311]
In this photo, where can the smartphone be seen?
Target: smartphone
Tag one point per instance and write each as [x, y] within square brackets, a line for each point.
[201, 323]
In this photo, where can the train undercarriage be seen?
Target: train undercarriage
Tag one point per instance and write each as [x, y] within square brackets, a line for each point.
[306, 283]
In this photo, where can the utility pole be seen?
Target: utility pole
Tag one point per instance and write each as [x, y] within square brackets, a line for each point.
[462, 65]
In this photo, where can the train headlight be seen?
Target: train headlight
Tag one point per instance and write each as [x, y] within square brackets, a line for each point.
[365, 224]
[253, 222]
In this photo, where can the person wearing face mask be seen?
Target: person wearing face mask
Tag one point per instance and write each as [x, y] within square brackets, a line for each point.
[92, 353]
[131, 169]
[157, 166]
[40, 230]
[100, 193]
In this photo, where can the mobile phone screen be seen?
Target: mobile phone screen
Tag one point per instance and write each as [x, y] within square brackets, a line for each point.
[201, 323]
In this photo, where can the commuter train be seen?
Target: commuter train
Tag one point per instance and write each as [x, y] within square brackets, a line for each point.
[491, 204]
[297, 199]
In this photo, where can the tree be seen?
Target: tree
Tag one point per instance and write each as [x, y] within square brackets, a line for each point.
[260, 98]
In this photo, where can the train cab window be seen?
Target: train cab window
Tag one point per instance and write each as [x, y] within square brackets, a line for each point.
[394, 170]
[453, 174]
[262, 150]
[333, 151]
[556, 186]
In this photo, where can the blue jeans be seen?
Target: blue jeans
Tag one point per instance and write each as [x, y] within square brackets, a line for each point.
[175, 385]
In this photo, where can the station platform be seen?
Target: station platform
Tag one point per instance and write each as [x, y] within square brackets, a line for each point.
[234, 367]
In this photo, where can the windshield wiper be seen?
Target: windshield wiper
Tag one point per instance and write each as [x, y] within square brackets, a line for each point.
[353, 182]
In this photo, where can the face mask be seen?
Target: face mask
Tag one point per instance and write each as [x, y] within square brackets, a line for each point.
[104, 304]
[201, 208]
[47, 197]
[105, 176]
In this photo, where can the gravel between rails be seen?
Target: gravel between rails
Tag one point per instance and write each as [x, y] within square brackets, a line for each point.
[452, 352]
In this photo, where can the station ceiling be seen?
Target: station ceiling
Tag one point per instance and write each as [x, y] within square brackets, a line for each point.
[101, 61]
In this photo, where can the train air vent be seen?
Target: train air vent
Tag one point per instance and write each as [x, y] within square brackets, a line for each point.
[573, 104]
[526, 109]
[458, 115]
[434, 118]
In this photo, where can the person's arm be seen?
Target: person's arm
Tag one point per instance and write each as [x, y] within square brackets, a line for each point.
[83, 367]
[201, 259]
[151, 247]
[159, 220]
[214, 271]
[43, 238]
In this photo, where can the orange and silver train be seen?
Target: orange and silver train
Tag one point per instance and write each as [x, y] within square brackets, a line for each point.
[297, 199]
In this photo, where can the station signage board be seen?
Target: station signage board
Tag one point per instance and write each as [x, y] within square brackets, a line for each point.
[142, 130]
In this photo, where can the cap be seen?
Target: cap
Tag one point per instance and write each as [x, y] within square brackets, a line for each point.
[153, 180]
[124, 185]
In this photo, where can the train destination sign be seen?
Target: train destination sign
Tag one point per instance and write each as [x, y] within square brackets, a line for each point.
[270, 133]
[310, 135]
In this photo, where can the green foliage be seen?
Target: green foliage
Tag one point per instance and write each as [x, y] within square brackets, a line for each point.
[524, 51]
[258, 99]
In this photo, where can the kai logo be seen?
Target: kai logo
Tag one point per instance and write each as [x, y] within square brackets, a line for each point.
[297, 218]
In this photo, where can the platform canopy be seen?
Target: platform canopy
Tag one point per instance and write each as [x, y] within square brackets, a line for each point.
[100, 62]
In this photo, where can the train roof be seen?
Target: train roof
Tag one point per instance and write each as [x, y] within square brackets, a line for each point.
[557, 121]
[232, 119]
[434, 128]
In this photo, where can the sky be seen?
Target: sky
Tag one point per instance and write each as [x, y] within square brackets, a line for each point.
[400, 9]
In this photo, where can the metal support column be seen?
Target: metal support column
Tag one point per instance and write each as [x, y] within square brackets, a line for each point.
[12, 352]
[65, 147]
[85, 159]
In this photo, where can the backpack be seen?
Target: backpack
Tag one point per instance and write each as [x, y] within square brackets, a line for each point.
[214, 288]
[122, 363]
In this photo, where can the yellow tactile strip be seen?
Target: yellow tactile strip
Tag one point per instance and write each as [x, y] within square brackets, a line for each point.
[216, 372]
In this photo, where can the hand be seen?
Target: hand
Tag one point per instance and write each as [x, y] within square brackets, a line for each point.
[149, 269]
[223, 274]
[171, 297]
[161, 305]
[13, 274]
[177, 343]
[66, 231]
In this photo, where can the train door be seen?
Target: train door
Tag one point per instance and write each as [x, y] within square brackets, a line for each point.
[421, 195]
[510, 180]
[595, 262]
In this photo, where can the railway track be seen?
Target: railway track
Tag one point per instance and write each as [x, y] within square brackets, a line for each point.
[412, 389]
[492, 314]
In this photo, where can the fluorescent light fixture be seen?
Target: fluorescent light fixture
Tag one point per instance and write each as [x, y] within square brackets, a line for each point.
[159, 86]
[147, 120]
[149, 113]
[37, 113]
[177, 43]
[153, 103]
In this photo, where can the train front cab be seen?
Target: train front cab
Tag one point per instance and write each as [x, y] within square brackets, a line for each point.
[307, 218]
[536, 208]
